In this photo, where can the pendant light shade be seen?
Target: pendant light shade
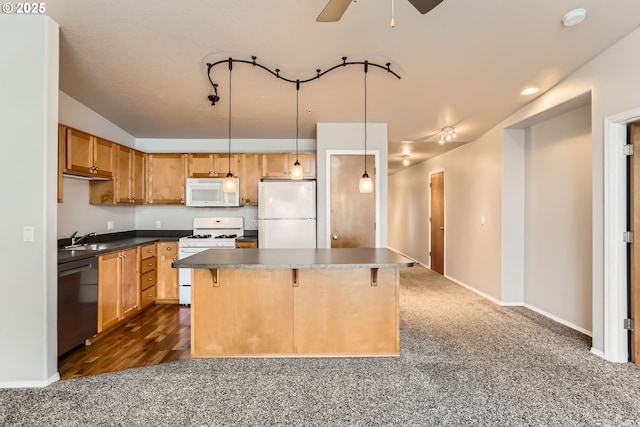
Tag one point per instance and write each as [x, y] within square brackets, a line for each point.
[365, 185]
[296, 170]
[229, 184]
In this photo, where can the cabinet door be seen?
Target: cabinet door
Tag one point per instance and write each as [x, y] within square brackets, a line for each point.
[308, 163]
[130, 292]
[200, 165]
[62, 151]
[167, 279]
[249, 177]
[108, 290]
[166, 177]
[275, 165]
[123, 173]
[137, 176]
[79, 151]
[104, 157]
[222, 165]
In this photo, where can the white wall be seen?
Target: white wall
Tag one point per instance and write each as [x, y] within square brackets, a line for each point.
[557, 269]
[28, 129]
[169, 145]
[350, 137]
[181, 217]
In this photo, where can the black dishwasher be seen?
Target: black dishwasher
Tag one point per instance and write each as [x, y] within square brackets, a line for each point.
[77, 302]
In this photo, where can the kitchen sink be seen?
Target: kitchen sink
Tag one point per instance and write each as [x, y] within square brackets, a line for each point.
[87, 247]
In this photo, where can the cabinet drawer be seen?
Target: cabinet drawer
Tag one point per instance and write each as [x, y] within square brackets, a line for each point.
[168, 249]
[246, 244]
[148, 264]
[148, 279]
[147, 251]
[148, 296]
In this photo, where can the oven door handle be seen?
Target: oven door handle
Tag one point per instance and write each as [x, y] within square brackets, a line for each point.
[192, 250]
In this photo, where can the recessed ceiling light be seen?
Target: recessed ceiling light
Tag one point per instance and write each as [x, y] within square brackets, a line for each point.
[574, 17]
[530, 91]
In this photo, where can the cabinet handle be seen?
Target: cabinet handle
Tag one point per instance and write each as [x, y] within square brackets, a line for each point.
[150, 279]
[150, 296]
[150, 264]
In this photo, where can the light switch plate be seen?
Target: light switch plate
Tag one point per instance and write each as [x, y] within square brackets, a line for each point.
[27, 233]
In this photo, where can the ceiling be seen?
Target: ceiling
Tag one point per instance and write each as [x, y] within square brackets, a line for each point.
[143, 64]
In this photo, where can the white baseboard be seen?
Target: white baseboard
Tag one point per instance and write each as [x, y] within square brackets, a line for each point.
[411, 258]
[597, 352]
[30, 384]
[559, 320]
[521, 304]
[472, 289]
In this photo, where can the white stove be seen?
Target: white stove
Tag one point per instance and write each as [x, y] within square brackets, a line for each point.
[208, 233]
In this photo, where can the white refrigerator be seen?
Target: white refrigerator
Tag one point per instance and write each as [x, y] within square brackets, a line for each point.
[287, 214]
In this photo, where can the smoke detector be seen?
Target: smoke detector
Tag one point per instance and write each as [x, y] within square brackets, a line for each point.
[574, 17]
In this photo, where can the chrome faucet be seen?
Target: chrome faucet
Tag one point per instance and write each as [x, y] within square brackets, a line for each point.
[81, 239]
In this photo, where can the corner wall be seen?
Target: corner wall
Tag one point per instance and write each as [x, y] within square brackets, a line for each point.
[28, 128]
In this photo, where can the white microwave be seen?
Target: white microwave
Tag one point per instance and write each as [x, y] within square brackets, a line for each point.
[207, 192]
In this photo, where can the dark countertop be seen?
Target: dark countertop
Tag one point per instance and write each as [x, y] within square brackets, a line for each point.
[295, 258]
[118, 241]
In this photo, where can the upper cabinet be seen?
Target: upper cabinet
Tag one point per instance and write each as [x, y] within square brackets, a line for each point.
[278, 165]
[128, 184]
[249, 178]
[88, 155]
[211, 165]
[165, 178]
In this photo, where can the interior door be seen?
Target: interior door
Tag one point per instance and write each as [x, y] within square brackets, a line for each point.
[634, 253]
[353, 216]
[437, 222]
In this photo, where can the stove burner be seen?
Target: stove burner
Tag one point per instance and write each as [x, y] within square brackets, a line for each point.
[199, 236]
[226, 236]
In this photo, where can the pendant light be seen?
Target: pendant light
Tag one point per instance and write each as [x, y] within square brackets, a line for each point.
[296, 171]
[229, 184]
[365, 185]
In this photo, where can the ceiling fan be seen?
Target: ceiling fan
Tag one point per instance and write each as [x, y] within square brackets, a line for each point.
[334, 10]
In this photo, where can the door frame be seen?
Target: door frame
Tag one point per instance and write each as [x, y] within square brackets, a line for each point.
[616, 339]
[444, 220]
[376, 183]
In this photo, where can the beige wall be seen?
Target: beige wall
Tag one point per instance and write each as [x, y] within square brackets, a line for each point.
[557, 267]
[613, 80]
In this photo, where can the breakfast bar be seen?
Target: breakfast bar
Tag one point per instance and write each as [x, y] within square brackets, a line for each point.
[295, 302]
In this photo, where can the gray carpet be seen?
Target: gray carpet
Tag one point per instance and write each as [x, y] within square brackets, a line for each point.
[464, 361]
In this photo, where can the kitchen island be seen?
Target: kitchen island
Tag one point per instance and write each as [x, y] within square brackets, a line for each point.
[295, 302]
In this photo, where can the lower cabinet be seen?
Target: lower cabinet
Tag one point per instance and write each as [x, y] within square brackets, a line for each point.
[148, 275]
[167, 287]
[118, 284]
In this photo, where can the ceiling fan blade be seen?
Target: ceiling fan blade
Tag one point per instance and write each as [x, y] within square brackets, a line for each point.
[333, 11]
[424, 6]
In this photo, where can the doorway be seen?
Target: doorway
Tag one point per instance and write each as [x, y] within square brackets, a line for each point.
[633, 167]
[352, 214]
[436, 217]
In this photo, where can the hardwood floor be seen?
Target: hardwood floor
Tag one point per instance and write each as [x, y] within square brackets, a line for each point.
[159, 334]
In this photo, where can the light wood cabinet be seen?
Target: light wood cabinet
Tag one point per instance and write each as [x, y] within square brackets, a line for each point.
[108, 291]
[250, 173]
[278, 165]
[148, 275]
[211, 165]
[129, 283]
[127, 187]
[62, 155]
[165, 178]
[253, 244]
[88, 155]
[167, 287]
[118, 295]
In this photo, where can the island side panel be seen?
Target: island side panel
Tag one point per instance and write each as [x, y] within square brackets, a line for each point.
[339, 312]
[247, 312]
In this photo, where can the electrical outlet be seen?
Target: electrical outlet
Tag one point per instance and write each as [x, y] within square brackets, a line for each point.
[254, 223]
[158, 224]
[109, 225]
